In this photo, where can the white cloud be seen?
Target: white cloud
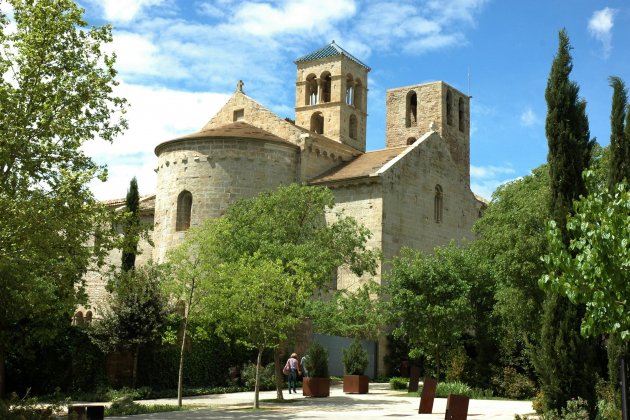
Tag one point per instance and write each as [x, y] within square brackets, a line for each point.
[486, 179]
[600, 27]
[124, 10]
[155, 115]
[529, 118]
[264, 19]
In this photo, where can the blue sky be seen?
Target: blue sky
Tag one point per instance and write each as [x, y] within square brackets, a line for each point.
[179, 61]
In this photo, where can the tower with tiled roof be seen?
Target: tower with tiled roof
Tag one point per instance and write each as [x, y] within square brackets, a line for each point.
[331, 95]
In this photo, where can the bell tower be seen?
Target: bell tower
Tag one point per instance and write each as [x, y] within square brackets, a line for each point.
[331, 95]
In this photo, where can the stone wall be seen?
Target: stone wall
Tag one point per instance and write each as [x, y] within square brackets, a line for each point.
[409, 190]
[431, 108]
[217, 171]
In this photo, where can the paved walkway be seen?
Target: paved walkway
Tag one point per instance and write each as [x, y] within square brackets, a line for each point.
[379, 403]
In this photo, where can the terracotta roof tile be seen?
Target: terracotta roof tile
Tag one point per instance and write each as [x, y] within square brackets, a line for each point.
[364, 165]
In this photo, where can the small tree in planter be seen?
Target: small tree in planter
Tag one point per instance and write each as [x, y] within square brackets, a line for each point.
[318, 382]
[355, 361]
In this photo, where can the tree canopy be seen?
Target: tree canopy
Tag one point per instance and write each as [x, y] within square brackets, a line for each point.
[56, 92]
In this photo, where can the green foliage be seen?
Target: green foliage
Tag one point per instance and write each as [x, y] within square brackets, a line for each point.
[458, 388]
[317, 361]
[567, 133]
[56, 93]
[457, 365]
[357, 314]
[593, 269]
[574, 410]
[429, 299]
[397, 383]
[619, 169]
[511, 236]
[267, 377]
[131, 227]
[26, 408]
[355, 359]
[126, 407]
[512, 384]
[136, 310]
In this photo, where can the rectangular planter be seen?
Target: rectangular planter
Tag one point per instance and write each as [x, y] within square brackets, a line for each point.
[356, 384]
[316, 387]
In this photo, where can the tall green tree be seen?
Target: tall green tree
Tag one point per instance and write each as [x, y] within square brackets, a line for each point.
[430, 300]
[286, 227]
[511, 238]
[56, 92]
[565, 364]
[131, 226]
[134, 314]
[619, 169]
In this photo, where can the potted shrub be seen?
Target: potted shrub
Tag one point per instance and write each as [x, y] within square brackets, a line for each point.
[317, 384]
[355, 361]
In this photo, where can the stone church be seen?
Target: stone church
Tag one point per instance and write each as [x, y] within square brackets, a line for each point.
[415, 192]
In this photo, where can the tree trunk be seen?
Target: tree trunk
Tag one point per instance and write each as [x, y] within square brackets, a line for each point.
[257, 386]
[278, 371]
[134, 372]
[2, 372]
[180, 379]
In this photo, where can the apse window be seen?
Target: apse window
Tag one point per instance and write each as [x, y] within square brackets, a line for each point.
[239, 115]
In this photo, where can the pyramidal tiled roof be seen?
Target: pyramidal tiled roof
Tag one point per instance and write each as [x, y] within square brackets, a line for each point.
[330, 50]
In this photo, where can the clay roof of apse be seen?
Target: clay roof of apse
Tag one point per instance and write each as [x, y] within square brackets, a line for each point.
[330, 50]
[367, 164]
[238, 129]
[146, 203]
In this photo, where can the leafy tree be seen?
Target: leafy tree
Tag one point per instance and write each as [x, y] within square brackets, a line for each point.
[135, 313]
[619, 169]
[131, 227]
[594, 268]
[430, 300]
[259, 301]
[357, 314]
[286, 228]
[565, 362]
[511, 238]
[55, 94]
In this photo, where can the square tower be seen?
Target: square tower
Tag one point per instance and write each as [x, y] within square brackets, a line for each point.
[412, 111]
[331, 95]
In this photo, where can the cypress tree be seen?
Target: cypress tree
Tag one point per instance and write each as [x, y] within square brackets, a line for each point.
[131, 228]
[619, 138]
[565, 361]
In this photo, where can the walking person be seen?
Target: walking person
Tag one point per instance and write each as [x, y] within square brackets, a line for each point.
[292, 369]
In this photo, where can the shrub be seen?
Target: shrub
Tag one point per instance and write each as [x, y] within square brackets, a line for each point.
[607, 407]
[456, 366]
[398, 383]
[458, 388]
[575, 410]
[355, 359]
[267, 377]
[513, 384]
[317, 361]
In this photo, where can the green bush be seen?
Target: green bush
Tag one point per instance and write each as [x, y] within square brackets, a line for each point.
[607, 401]
[398, 383]
[317, 361]
[267, 377]
[458, 388]
[456, 365]
[515, 385]
[355, 359]
[575, 410]
[27, 409]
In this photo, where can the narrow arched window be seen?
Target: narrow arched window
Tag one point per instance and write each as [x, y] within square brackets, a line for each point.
[449, 107]
[311, 90]
[78, 319]
[438, 204]
[317, 123]
[358, 94]
[326, 82]
[88, 317]
[462, 123]
[412, 110]
[184, 211]
[349, 89]
[353, 127]
[411, 140]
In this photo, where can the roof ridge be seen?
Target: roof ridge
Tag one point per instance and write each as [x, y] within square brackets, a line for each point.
[330, 50]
